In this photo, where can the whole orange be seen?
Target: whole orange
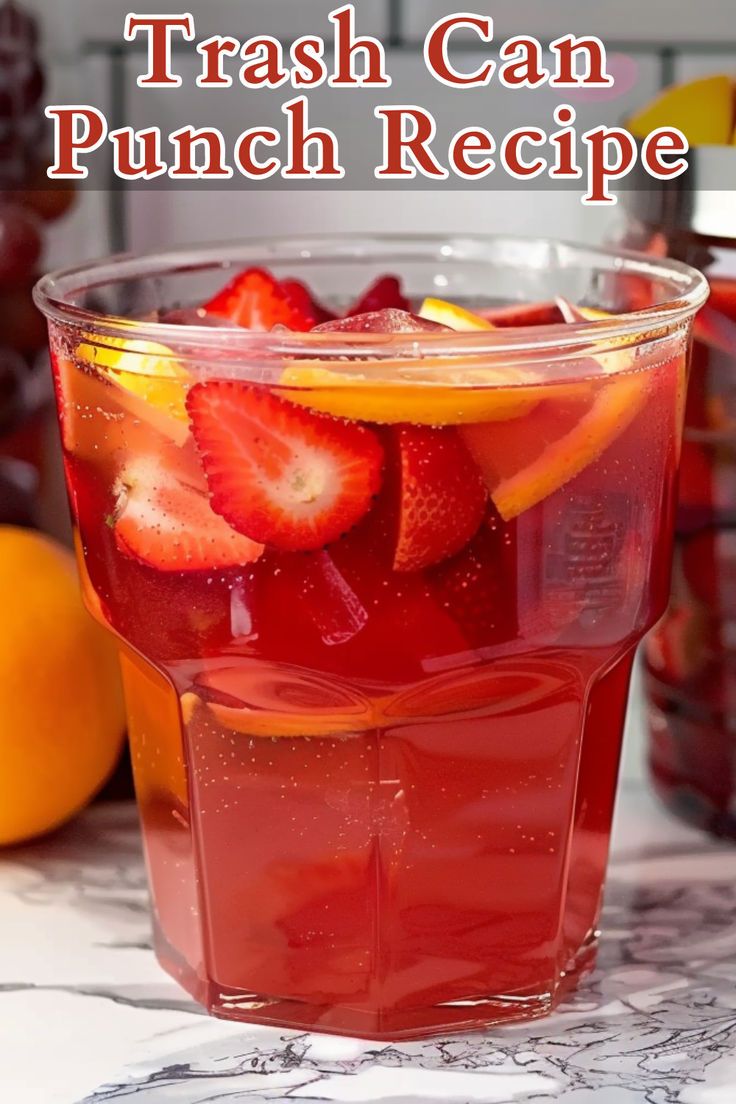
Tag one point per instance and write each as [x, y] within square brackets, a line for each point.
[61, 709]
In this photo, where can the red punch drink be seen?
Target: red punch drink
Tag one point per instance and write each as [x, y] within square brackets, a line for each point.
[378, 564]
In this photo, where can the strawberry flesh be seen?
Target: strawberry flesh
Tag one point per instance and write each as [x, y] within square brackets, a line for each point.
[383, 293]
[442, 496]
[257, 301]
[301, 298]
[170, 525]
[280, 474]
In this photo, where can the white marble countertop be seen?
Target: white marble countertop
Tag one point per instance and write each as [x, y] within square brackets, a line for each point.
[87, 1016]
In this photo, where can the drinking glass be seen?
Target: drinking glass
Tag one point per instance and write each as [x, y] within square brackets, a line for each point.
[375, 769]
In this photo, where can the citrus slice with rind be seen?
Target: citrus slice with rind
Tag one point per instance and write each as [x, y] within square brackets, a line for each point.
[442, 392]
[526, 460]
[449, 314]
[280, 724]
[269, 725]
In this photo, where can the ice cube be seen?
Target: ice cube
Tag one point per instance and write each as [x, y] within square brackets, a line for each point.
[386, 321]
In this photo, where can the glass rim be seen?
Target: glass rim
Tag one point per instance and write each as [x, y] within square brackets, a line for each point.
[52, 295]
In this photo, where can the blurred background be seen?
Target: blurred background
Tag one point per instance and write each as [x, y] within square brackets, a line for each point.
[650, 44]
[76, 54]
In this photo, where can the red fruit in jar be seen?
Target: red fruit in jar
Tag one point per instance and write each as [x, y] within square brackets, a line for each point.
[708, 560]
[386, 321]
[170, 525]
[715, 329]
[442, 496]
[282, 475]
[723, 297]
[383, 293]
[696, 477]
[680, 646]
[303, 300]
[257, 301]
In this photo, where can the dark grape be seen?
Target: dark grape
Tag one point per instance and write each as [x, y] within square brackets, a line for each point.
[17, 26]
[21, 84]
[20, 245]
[22, 327]
[17, 485]
[12, 373]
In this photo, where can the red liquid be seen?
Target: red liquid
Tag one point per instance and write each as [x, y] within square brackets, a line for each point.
[374, 802]
[690, 656]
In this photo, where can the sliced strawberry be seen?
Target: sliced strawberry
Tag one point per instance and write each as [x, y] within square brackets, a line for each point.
[280, 474]
[303, 300]
[257, 301]
[442, 496]
[170, 525]
[382, 293]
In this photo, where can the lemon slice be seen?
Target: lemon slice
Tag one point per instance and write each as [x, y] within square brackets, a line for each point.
[449, 314]
[155, 383]
[144, 368]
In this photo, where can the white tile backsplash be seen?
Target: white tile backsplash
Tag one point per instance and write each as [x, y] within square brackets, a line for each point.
[655, 22]
[159, 218]
[688, 66]
[71, 23]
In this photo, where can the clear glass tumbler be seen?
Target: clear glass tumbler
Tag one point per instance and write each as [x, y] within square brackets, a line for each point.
[375, 746]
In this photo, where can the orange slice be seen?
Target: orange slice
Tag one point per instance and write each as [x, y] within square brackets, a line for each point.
[702, 109]
[449, 314]
[473, 394]
[526, 460]
[274, 725]
[256, 700]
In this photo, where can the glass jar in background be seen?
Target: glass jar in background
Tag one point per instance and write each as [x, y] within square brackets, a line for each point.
[690, 657]
[31, 491]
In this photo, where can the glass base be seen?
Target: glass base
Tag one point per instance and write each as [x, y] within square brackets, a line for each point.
[473, 1013]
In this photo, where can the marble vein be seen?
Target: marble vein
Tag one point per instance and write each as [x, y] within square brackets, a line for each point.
[654, 1024]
